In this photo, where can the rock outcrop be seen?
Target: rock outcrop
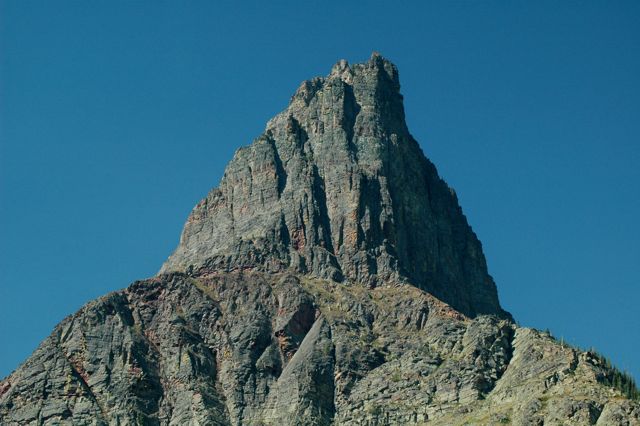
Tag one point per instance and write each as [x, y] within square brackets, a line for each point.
[331, 279]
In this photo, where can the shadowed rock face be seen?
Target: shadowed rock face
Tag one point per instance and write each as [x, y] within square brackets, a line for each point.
[336, 187]
[331, 279]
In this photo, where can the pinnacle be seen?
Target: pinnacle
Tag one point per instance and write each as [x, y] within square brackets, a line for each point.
[342, 192]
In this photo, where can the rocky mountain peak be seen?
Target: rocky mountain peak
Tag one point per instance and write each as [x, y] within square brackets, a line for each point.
[336, 187]
[276, 308]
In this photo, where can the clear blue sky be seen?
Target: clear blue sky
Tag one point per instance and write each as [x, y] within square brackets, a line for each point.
[116, 117]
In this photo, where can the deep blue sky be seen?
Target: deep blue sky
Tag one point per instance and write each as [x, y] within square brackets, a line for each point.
[116, 117]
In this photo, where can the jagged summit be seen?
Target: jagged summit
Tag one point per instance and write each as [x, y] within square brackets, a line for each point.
[336, 187]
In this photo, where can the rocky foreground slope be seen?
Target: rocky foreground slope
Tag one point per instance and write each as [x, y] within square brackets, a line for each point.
[331, 279]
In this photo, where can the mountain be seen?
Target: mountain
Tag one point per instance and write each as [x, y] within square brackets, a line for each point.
[331, 278]
[337, 188]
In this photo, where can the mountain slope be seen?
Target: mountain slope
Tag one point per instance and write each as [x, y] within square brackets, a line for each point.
[332, 278]
[264, 348]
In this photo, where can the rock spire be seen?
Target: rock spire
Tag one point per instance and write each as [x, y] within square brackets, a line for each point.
[336, 187]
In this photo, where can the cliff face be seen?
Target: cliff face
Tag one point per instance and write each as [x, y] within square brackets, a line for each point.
[337, 188]
[331, 279]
